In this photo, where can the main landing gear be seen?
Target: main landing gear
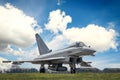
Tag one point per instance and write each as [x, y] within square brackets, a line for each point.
[42, 68]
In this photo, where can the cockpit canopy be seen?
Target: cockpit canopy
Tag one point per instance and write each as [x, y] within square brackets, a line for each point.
[77, 44]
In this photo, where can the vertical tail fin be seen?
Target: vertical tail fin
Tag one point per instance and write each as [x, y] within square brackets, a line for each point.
[43, 49]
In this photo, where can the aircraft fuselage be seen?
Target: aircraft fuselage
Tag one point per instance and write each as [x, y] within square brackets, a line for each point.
[67, 53]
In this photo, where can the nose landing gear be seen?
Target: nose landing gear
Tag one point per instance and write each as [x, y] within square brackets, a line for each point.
[72, 68]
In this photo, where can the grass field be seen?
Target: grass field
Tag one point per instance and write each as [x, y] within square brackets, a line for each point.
[46, 76]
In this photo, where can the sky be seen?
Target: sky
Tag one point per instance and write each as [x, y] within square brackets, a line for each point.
[60, 23]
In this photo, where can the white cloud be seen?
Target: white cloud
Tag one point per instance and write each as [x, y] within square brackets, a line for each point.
[4, 66]
[8, 49]
[29, 54]
[58, 2]
[16, 27]
[111, 25]
[114, 65]
[98, 37]
[101, 64]
[57, 42]
[58, 21]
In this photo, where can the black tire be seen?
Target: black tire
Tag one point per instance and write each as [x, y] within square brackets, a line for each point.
[72, 70]
[42, 70]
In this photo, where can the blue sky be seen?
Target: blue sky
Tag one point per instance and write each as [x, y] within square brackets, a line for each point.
[83, 12]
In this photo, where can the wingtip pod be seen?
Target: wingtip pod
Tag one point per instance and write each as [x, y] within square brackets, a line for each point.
[6, 61]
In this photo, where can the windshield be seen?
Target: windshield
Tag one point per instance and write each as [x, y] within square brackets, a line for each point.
[77, 44]
[81, 44]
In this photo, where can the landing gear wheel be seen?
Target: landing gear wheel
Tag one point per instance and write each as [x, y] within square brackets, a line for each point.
[42, 70]
[72, 70]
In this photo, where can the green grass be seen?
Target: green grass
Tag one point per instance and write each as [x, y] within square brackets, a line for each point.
[46, 76]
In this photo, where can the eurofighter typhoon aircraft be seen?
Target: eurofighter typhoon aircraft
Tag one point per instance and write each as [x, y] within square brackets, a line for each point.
[71, 55]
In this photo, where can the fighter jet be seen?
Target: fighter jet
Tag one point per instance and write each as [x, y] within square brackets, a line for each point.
[71, 55]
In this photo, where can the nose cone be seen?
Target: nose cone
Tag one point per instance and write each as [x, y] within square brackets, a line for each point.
[88, 51]
[92, 50]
